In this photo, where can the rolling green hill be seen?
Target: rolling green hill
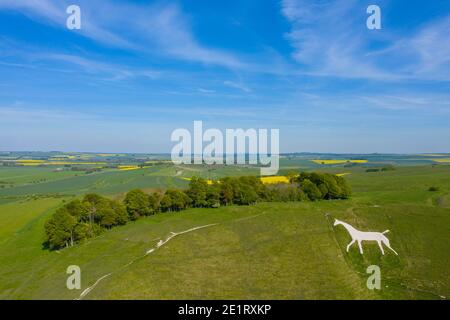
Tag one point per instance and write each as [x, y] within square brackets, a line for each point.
[270, 250]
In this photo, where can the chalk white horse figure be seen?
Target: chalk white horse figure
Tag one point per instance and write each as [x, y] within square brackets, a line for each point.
[359, 236]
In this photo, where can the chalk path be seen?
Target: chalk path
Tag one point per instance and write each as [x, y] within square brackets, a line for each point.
[158, 245]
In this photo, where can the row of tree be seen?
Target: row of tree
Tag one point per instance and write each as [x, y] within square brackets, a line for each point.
[325, 186]
[82, 219]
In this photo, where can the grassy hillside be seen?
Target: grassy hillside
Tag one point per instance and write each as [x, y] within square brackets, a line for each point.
[271, 250]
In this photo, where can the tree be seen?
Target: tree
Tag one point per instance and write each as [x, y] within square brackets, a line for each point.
[79, 220]
[60, 229]
[323, 190]
[256, 184]
[317, 178]
[154, 202]
[108, 218]
[334, 191]
[292, 175]
[121, 213]
[166, 203]
[198, 188]
[213, 195]
[82, 231]
[91, 202]
[226, 191]
[245, 194]
[77, 209]
[346, 190]
[285, 192]
[311, 190]
[330, 186]
[175, 200]
[137, 204]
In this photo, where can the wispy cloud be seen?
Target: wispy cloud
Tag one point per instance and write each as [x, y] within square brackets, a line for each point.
[237, 85]
[35, 58]
[54, 13]
[432, 45]
[16, 115]
[150, 29]
[423, 103]
[330, 39]
[325, 39]
[207, 91]
[97, 67]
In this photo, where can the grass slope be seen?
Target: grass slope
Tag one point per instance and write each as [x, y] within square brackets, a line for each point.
[271, 250]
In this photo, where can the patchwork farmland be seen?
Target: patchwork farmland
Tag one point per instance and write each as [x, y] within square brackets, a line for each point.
[276, 250]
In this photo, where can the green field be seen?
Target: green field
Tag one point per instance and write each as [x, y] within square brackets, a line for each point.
[266, 251]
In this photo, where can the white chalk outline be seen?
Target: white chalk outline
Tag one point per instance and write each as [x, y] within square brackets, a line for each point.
[360, 236]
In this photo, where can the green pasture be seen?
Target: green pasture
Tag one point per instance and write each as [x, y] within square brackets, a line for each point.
[267, 251]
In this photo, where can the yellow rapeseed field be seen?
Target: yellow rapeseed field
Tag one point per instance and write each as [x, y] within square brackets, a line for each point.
[443, 160]
[265, 180]
[343, 174]
[207, 181]
[62, 157]
[54, 163]
[61, 163]
[274, 179]
[126, 168]
[432, 155]
[30, 161]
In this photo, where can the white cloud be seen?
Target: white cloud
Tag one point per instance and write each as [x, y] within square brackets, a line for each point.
[30, 57]
[207, 91]
[237, 85]
[17, 115]
[327, 40]
[432, 44]
[54, 13]
[97, 67]
[330, 38]
[149, 28]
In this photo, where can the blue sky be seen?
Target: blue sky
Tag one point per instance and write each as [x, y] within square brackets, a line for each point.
[137, 70]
